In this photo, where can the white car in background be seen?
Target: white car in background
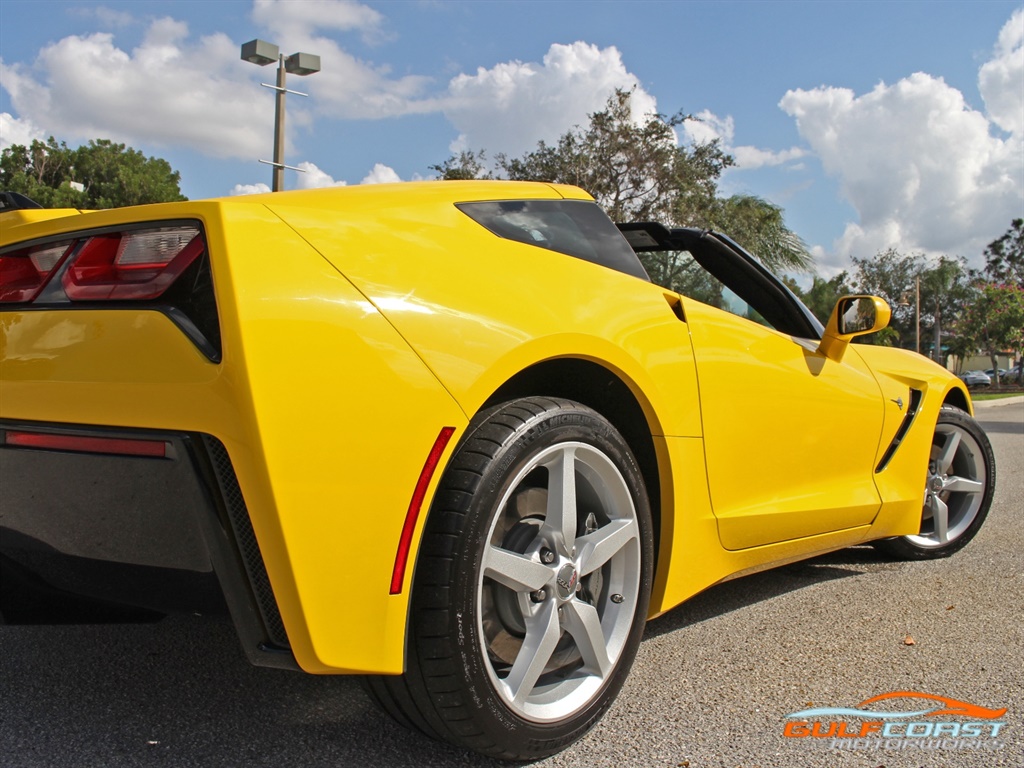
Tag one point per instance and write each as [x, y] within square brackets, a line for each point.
[976, 379]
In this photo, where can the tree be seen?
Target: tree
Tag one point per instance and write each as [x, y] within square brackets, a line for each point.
[945, 289]
[463, 166]
[1004, 257]
[892, 275]
[823, 294]
[994, 319]
[637, 171]
[932, 294]
[759, 226]
[100, 174]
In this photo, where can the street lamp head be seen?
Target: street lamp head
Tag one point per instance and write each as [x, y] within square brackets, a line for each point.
[260, 52]
[302, 64]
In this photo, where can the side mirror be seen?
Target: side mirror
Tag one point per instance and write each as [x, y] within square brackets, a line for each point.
[853, 316]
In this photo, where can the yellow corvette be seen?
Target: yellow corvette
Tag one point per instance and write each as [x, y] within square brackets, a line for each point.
[445, 435]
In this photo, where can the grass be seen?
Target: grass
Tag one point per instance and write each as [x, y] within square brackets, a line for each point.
[994, 395]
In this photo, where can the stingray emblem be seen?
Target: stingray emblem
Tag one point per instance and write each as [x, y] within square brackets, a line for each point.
[566, 580]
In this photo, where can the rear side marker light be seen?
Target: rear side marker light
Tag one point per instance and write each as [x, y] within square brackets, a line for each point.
[84, 444]
[24, 273]
[132, 265]
[412, 515]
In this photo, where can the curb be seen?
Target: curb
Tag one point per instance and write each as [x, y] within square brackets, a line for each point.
[1001, 401]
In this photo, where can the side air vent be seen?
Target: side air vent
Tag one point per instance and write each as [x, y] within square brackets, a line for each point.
[908, 419]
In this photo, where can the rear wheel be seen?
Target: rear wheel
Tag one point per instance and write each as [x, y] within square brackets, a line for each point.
[958, 490]
[531, 586]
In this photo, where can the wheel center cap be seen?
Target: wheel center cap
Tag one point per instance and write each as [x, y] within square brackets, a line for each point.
[566, 581]
[935, 484]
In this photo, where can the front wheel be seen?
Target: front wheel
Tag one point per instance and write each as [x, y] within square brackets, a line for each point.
[531, 586]
[958, 490]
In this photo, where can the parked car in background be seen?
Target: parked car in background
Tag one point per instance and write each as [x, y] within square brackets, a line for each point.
[976, 379]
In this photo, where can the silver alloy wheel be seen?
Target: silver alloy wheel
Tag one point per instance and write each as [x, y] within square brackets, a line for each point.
[560, 580]
[955, 487]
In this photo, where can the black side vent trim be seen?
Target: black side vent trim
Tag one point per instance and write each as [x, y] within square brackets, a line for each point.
[916, 395]
[238, 513]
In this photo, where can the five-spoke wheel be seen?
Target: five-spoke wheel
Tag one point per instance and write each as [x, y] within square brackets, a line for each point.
[560, 581]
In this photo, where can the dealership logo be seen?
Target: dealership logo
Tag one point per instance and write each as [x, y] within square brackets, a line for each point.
[923, 721]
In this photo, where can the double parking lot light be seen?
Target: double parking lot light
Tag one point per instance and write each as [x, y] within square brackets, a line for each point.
[261, 52]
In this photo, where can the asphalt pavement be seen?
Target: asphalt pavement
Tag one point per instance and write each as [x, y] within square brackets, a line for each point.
[712, 684]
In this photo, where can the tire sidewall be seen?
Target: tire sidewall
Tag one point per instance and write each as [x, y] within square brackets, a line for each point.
[549, 428]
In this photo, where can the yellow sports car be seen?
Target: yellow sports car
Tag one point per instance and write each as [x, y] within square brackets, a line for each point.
[445, 435]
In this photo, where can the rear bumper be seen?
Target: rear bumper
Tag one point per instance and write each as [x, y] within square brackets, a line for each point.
[166, 532]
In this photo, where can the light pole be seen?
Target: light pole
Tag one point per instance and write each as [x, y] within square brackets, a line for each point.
[262, 53]
[917, 312]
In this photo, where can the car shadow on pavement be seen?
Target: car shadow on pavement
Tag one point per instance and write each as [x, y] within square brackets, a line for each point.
[743, 592]
[180, 692]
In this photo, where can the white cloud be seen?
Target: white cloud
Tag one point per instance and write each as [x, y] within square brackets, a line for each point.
[17, 131]
[708, 127]
[249, 189]
[301, 18]
[511, 106]
[167, 91]
[1001, 80]
[354, 90]
[345, 87]
[921, 168]
[749, 158]
[313, 178]
[108, 17]
[381, 174]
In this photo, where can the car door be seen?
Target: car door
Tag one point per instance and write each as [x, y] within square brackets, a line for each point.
[790, 436]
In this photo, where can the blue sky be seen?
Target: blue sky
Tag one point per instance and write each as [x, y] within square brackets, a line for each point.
[874, 124]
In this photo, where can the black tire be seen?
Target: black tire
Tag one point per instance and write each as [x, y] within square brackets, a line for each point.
[477, 634]
[959, 486]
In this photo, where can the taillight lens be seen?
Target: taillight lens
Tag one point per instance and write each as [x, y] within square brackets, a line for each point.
[161, 267]
[24, 273]
[132, 265]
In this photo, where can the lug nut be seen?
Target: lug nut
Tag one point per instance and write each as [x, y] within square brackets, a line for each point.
[539, 596]
[547, 556]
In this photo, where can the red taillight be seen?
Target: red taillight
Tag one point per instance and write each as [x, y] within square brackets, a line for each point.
[86, 444]
[24, 273]
[131, 265]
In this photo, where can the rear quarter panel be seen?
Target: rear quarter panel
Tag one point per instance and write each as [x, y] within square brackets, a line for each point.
[325, 411]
